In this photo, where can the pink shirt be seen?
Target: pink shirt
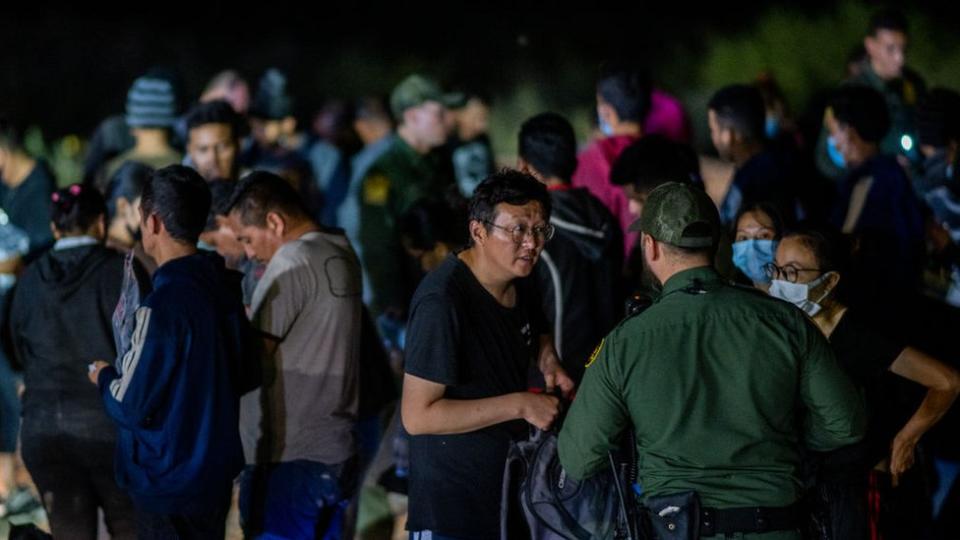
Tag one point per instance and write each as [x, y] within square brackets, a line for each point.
[667, 118]
[593, 173]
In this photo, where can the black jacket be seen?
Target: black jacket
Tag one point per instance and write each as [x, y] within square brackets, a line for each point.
[579, 273]
[60, 321]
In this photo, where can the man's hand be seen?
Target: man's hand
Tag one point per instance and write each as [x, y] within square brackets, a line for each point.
[901, 456]
[94, 370]
[553, 373]
[540, 409]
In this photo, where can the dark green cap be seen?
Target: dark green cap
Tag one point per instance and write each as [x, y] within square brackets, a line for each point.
[680, 215]
[413, 91]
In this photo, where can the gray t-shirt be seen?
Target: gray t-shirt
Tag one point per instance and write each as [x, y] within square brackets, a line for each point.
[308, 299]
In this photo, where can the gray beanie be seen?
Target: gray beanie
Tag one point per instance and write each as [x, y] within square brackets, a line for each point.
[151, 103]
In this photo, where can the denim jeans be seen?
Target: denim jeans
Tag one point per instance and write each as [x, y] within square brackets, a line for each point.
[296, 499]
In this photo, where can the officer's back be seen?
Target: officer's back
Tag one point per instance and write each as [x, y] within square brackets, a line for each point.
[722, 385]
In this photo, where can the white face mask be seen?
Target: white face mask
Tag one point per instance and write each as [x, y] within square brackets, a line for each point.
[798, 294]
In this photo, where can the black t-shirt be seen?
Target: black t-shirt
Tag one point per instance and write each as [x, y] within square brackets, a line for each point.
[866, 354]
[460, 336]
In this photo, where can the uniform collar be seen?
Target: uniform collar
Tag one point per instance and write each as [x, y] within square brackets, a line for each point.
[701, 278]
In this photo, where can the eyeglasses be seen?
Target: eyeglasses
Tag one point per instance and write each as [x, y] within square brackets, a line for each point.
[789, 273]
[541, 233]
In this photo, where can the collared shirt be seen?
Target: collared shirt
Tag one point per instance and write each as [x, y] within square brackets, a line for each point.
[715, 380]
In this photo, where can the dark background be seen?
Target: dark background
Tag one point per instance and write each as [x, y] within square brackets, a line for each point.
[65, 68]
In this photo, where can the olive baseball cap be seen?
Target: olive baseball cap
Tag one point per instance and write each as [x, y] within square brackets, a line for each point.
[681, 215]
[416, 90]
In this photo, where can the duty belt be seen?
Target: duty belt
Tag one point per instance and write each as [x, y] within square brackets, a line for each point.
[756, 519]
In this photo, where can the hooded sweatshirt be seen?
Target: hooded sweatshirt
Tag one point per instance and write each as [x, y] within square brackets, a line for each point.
[579, 273]
[60, 322]
[175, 394]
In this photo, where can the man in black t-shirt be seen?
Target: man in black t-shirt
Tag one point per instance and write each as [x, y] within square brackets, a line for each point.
[476, 326]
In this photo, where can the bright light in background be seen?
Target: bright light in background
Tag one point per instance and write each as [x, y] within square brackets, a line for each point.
[906, 142]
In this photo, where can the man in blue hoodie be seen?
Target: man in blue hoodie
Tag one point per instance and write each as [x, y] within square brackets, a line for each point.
[175, 393]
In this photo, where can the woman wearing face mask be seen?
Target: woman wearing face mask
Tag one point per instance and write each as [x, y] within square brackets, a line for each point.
[123, 211]
[808, 272]
[757, 233]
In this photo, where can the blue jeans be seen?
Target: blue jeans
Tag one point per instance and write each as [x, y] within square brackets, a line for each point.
[296, 499]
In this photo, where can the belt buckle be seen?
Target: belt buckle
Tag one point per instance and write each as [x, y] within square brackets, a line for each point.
[762, 520]
[708, 522]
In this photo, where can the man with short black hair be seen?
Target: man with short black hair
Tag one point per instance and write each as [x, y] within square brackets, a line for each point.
[723, 387]
[476, 327]
[737, 118]
[875, 200]
[213, 140]
[175, 397]
[580, 268]
[623, 102]
[297, 430]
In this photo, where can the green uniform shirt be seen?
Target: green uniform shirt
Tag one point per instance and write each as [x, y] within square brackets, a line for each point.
[398, 179]
[722, 385]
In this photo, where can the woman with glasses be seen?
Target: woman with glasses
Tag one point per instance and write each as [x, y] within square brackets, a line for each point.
[756, 233]
[809, 272]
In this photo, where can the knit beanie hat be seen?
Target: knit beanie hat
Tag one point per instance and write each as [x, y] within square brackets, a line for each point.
[272, 102]
[151, 102]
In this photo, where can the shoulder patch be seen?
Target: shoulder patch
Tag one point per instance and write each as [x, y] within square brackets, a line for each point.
[595, 353]
[376, 190]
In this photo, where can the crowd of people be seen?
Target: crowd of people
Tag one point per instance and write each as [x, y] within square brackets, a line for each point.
[340, 331]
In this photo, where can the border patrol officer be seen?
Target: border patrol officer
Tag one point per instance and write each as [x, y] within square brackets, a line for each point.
[407, 172]
[722, 385]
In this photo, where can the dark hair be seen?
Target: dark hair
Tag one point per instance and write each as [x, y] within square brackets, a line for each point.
[548, 143]
[831, 249]
[372, 108]
[627, 89]
[510, 187]
[938, 118]
[10, 133]
[221, 195]
[127, 182]
[888, 19]
[863, 109]
[767, 208]
[430, 221]
[75, 208]
[653, 160]
[770, 90]
[179, 196]
[215, 112]
[261, 192]
[740, 108]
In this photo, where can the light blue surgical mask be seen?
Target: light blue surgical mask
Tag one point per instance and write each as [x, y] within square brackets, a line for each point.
[835, 156]
[605, 128]
[750, 256]
[798, 294]
[772, 127]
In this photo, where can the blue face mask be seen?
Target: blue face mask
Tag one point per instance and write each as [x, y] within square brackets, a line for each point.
[605, 128]
[772, 127]
[835, 156]
[750, 256]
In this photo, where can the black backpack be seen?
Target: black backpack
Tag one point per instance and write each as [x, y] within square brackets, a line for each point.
[539, 498]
